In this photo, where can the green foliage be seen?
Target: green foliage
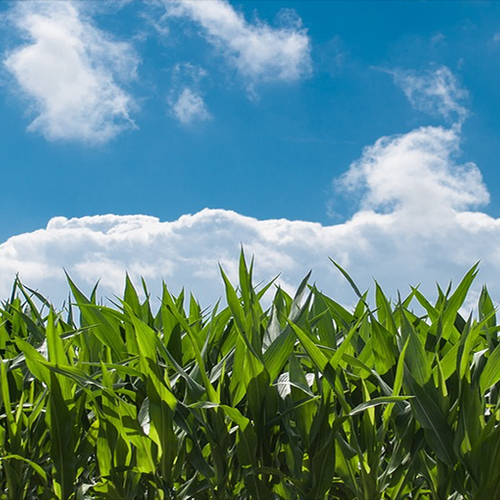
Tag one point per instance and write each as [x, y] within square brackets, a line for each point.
[306, 400]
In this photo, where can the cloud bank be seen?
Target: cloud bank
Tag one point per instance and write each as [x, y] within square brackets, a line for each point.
[69, 71]
[415, 224]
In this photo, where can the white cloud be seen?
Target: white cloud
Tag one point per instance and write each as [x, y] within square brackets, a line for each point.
[416, 224]
[258, 51]
[190, 107]
[69, 70]
[415, 174]
[435, 91]
[185, 97]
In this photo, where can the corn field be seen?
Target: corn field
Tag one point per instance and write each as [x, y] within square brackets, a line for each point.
[303, 400]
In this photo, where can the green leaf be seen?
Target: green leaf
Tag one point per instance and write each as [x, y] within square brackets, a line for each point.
[431, 418]
[62, 443]
[103, 328]
[348, 278]
[32, 464]
[491, 372]
[377, 402]
[277, 354]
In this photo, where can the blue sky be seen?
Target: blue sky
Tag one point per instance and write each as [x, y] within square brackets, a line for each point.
[119, 112]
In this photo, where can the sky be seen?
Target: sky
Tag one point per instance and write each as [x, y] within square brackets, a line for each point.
[158, 137]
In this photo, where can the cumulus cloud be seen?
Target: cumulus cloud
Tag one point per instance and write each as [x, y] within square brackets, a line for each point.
[416, 224]
[437, 92]
[69, 70]
[258, 51]
[415, 174]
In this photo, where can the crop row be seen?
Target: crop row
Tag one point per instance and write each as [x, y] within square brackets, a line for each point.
[303, 400]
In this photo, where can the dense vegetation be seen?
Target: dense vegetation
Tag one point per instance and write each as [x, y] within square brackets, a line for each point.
[305, 400]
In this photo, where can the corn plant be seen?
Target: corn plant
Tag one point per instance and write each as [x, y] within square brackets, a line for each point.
[304, 400]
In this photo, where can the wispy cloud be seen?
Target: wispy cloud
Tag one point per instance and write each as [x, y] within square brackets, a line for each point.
[185, 97]
[437, 92]
[259, 52]
[190, 107]
[69, 70]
